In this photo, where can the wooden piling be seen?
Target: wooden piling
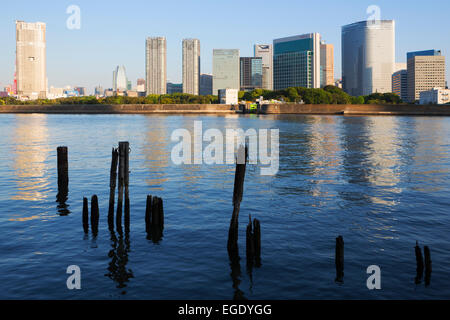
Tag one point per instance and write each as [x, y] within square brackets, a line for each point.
[63, 173]
[85, 215]
[157, 219]
[126, 147]
[148, 215]
[428, 269]
[419, 263]
[232, 246]
[95, 215]
[121, 186]
[112, 187]
[339, 259]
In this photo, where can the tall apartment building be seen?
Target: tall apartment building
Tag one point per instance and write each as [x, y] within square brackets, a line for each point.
[296, 61]
[265, 51]
[426, 70]
[191, 66]
[400, 84]
[225, 69]
[31, 71]
[326, 64]
[156, 65]
[368, 57]
[251, 70]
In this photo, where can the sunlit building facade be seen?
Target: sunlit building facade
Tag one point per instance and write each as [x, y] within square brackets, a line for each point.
[225, 69]
[31, 60]
[191, 66]
[368, 57]
[265, 51]
[156, 65]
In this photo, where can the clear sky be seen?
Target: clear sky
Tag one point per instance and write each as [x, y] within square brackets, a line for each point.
[114, 32]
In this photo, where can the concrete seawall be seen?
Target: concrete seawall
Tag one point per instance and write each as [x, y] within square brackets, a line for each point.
[120, 108]
[353, 109]
[227, 109]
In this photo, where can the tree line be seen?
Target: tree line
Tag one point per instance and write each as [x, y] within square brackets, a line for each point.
[327, 95]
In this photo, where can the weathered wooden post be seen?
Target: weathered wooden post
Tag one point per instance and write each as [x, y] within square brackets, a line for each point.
[121, 186]
[339, 259]
[126, 147]
[233, 249]
[112, 187]
[148, 215]
[85, 215]
[427, 254]
[419, 263]
[157, 219]
[63, 173]
[95, 215]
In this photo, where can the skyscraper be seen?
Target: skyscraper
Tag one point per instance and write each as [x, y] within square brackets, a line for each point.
[31, 60]
[368, 57]
[296, 61]
[426, 70]
[191, 66]
[265, 51]
[326, 64]
[120, 81]
[251, 73]
[156, 65]
[225, 69]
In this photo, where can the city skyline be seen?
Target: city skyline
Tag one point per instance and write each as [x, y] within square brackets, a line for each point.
[68, 50]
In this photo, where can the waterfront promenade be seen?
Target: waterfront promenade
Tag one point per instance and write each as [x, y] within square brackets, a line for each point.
[339, 109]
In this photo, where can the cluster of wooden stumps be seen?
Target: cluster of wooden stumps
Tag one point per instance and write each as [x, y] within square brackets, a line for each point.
[423, 265]
[120, 178]
[253, 239]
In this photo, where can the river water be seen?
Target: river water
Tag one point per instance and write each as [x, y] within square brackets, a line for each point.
[383, 183]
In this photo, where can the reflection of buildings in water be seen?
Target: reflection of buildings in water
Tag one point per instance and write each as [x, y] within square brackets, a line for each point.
[31, 150]
[383, 152]
[156, 151]
[323, 150]
[430, 154]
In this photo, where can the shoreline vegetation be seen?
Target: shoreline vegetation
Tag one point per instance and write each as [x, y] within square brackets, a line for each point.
[327, 95]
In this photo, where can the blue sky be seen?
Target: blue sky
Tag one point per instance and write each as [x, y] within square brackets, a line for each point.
[114, 32]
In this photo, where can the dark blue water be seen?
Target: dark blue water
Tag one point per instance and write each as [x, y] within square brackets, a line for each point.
[381, 182]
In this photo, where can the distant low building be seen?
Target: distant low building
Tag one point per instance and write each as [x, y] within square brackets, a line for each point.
[228, 96]
[109, 92]
[174, 88]
[435, 96]
[132, 93]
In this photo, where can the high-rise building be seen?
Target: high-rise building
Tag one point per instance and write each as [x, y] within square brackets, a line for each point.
[191, 66]
[31, 60]
[296, 61]
[426, 70]
[251, 73]
[400, 84]
[326, 64]
[156, 65]
[368, 57]
[225, 69]
[265, 51]
[120, 80]
[206, 84]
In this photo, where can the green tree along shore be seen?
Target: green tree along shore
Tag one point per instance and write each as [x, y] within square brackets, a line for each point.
[327, 95]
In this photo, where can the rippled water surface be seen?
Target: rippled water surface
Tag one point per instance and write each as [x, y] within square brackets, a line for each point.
[380, 182]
